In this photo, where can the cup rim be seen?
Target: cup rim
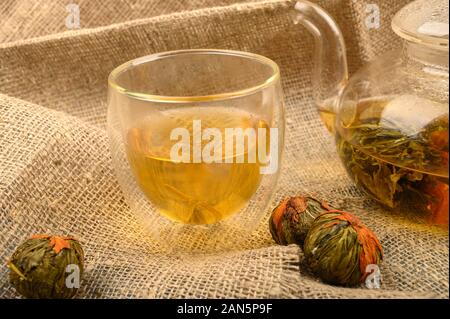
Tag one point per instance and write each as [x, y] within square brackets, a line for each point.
[195, 98]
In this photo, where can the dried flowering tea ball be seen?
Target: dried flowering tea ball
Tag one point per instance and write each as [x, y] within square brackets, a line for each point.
[291, 219]
[47, 267]
[338, 248]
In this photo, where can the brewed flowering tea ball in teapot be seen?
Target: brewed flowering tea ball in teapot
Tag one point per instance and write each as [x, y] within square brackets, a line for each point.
[400, 160]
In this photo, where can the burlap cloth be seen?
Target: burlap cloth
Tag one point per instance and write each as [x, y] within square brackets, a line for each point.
[55, 166]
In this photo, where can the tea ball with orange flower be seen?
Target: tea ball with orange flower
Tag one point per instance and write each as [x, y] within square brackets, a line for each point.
[339, 248]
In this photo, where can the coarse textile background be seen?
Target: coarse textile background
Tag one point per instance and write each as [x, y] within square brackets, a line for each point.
[55, 166]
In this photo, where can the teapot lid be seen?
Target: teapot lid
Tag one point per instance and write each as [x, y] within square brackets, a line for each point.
[424, 22]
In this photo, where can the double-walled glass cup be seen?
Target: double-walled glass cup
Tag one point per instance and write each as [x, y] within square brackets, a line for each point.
[196, 138]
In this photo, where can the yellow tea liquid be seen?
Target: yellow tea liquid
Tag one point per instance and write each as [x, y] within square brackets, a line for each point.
[328, 117]
[192, 193]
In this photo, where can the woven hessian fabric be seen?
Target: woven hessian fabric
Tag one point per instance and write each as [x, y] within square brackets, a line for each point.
[56, 174]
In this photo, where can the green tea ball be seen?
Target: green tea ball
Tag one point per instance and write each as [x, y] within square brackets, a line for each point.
[47, 267]
[291, 219]
[338, 248]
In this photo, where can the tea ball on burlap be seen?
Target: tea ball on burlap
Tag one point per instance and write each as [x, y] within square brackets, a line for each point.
[338, 248]
[47, 267]
[291, 219]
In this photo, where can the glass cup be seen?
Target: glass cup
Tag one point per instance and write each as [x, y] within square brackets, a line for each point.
[196, 138]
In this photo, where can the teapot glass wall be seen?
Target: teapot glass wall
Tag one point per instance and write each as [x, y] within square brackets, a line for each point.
[390, 118]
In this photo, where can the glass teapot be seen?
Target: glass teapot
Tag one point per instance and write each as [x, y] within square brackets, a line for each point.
[390, 119]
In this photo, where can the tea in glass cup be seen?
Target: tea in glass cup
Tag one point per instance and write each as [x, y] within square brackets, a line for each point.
[196, 193]
[196, 136]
